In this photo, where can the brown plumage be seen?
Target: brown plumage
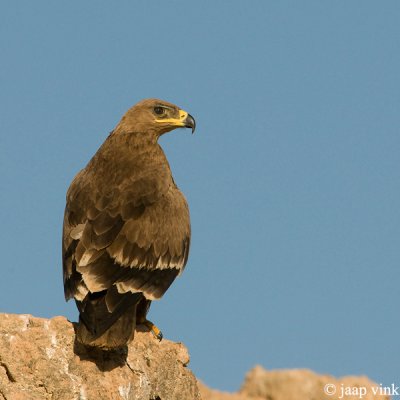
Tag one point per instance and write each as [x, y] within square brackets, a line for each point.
[126, 231]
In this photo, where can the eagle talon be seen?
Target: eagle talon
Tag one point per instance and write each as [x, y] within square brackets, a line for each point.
[153, 329]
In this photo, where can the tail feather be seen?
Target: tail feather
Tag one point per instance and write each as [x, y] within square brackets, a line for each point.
[107, 327]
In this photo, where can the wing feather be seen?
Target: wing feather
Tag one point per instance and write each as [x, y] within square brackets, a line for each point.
[113, 238]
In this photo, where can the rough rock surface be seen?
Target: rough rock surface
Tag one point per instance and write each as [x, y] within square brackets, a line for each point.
[300, 384]
[38, 360]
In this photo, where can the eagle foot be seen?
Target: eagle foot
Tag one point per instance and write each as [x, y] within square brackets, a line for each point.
[153, 328]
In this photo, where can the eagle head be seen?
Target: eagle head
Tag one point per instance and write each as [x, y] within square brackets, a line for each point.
[156, 117]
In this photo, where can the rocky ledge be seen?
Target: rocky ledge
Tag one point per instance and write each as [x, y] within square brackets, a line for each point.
[39, 359]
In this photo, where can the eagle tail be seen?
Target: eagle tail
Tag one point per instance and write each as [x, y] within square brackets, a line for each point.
[107, 319]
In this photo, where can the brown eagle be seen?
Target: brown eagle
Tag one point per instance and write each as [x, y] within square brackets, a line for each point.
[126, 232]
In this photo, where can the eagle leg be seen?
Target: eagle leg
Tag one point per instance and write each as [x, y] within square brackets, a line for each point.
[153, 328]
[141, 313]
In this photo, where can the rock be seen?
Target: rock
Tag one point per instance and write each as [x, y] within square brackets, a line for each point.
[300, 384]
[212, 394]
[39, 359]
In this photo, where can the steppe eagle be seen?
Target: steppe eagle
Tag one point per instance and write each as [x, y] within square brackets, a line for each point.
[126, 231]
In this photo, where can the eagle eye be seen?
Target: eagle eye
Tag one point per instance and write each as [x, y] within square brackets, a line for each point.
[159, 110]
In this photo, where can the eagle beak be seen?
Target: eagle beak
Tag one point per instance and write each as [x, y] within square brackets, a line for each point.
[186, 120]
[190, 123]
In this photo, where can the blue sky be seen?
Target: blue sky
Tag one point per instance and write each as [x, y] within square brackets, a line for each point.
[292, 176]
